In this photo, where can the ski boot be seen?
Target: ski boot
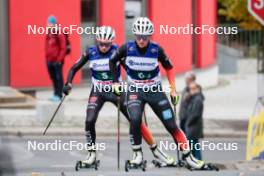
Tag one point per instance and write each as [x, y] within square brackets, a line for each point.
[162, 158]
[194, 164]
[137, 162]
[89, 162]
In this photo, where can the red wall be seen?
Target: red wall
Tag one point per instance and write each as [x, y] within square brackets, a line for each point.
[113, 14]
[173, 13]
[27, 62]
[206, 44]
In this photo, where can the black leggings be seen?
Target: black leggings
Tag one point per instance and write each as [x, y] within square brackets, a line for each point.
[55, 73]
[96, 102]
[158, 102]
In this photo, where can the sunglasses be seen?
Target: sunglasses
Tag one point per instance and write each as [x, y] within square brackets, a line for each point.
[143, 37]
[104, 44]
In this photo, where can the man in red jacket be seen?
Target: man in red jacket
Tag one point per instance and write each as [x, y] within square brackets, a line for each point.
[55, 52]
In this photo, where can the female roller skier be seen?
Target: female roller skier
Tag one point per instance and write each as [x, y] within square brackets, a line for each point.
[98, 57]
[141, 58]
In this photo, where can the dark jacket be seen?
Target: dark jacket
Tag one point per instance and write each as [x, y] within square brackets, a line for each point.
[55, 47]
[184, 103]
[194, 121]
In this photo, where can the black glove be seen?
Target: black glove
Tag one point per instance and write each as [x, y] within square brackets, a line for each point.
[67, 89]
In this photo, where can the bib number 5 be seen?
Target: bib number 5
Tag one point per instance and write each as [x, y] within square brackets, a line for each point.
[104, 75]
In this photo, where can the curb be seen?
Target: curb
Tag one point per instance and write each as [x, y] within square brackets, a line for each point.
[66, 131]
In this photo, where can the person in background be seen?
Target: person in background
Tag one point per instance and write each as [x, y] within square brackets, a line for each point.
[194, 120]
[189, 78]
[55, 52]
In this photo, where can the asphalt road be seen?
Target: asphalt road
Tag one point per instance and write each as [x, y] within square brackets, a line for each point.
[18, 157]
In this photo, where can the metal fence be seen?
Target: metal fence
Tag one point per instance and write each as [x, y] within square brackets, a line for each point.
[246, 41]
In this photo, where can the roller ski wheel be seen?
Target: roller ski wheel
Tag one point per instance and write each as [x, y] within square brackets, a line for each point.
[129, 166]
[160, 164]
[211, 167]
[180, 163]
[81, 165]
[206, 167]
[157, 163]
[78, 165]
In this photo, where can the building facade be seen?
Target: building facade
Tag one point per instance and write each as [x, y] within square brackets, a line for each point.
[22, 62]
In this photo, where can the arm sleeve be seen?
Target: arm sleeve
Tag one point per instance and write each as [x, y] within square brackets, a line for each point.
[77, 66]
[166, 63]
[115, 58]
[164, 60]
[62, 43]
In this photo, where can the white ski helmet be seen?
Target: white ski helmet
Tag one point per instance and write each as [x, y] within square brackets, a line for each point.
[143, 26]
[105, 33]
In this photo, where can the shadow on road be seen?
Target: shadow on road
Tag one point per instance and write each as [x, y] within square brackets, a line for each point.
[6, 160]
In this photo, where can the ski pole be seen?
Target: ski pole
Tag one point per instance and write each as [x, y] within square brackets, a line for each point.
[54, 114]
[118, 133]
[178, 154]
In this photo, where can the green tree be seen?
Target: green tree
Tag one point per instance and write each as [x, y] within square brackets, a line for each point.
[236, 11]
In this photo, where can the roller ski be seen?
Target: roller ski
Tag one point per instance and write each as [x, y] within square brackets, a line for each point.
[137, 162]
[159, 164]
[206, 167]
[83, 165]
[89, 163]
[130, 165]
[163, 159]
[194, 164]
